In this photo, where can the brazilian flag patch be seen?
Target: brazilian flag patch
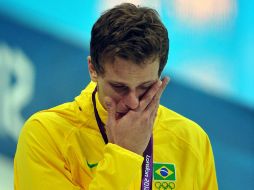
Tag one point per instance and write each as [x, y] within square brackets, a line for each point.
[164, 172]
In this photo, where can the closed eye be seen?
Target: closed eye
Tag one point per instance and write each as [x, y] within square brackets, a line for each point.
[119, 87]
[145, 87]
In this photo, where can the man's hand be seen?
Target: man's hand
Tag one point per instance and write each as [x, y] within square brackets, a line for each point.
[133, 130]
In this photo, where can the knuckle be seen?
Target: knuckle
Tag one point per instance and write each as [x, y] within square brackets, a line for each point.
[146, 117]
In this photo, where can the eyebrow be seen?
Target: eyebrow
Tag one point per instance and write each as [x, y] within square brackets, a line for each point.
[123, 84]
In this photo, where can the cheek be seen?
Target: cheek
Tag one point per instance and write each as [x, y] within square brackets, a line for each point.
[116, 97]
[141, 93]
[108, 91]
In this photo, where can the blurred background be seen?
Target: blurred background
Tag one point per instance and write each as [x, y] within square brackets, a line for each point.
[43, 50]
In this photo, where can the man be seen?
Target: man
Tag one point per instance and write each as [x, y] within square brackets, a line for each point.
[115, 135]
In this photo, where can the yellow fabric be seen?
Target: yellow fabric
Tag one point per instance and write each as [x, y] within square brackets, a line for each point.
[60, 147]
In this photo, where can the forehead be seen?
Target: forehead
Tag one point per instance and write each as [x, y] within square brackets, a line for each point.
[125, 71]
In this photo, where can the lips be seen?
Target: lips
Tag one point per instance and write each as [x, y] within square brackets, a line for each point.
[122, 111]
[120, 114]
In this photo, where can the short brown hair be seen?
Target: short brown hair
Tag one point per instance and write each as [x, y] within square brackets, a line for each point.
[130, 32]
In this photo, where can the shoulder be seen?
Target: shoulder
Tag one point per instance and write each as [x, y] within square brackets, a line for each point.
[50, 125]
[62, 119]
[181, 129]
[173, 121]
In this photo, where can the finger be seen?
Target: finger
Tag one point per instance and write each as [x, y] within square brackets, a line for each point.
[165, 82]
[154, 111]
[153, 105]
[153, 117]
[151, 109]
[111, 108]
[149, 95]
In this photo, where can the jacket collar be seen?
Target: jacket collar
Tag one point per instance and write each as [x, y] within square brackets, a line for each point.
[85, 105]
[101, 110]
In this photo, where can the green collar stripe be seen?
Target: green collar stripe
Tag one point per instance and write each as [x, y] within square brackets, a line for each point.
[91, 165]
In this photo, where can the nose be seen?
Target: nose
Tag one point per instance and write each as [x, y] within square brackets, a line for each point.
[131, 100]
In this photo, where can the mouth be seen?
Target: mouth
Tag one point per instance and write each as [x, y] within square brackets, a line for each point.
[120, 114]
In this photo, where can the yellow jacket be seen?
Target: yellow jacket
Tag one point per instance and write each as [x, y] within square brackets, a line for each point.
[62, 148]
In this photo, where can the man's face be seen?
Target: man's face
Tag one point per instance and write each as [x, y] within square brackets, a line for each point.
[126, 82]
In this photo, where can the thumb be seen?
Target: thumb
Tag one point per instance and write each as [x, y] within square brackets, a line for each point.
[111, 108]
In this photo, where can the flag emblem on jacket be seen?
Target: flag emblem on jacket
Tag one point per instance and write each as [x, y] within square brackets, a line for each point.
[164, 172]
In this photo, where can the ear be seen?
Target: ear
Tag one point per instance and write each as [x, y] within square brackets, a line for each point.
[92, 71]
